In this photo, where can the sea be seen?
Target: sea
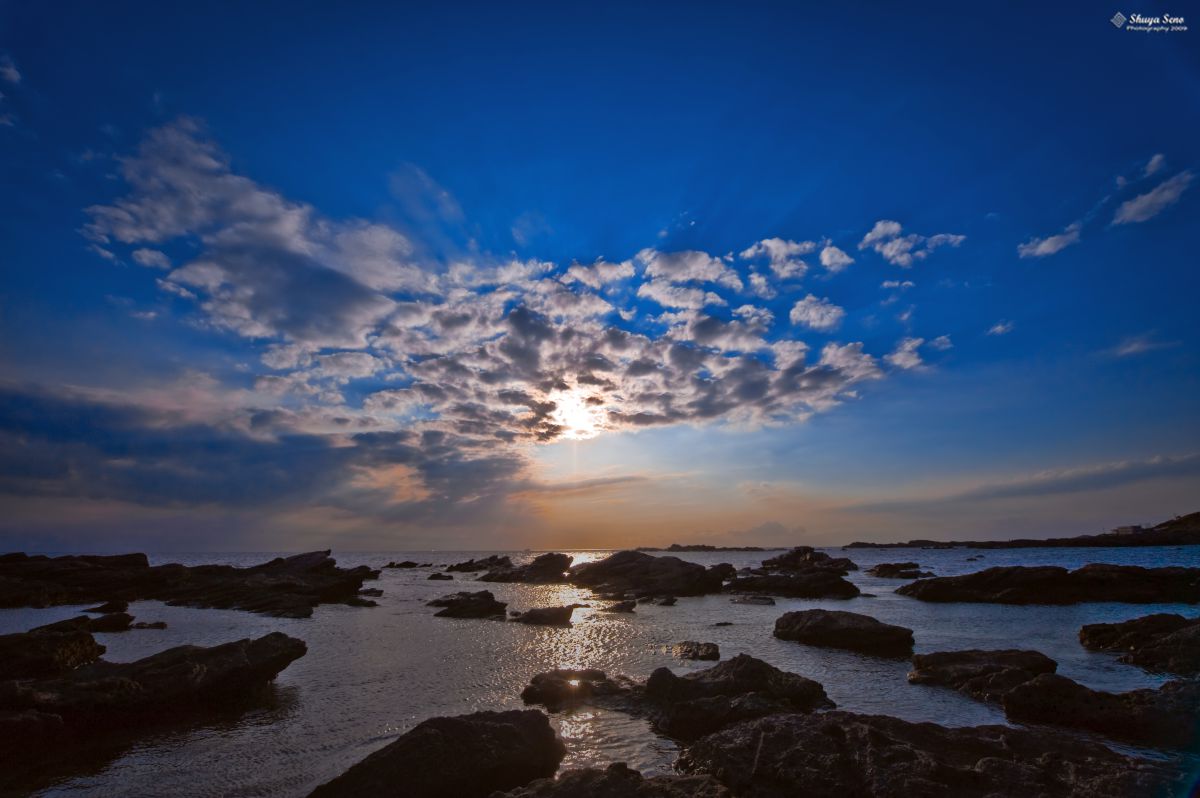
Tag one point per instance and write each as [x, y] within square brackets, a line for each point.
[371, 674]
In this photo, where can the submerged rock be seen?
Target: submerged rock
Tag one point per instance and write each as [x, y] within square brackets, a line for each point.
[846, 754]
[285, 587]
[1050, 584]
[468, 756]
[550, 568]
[646, 575]
[1161, 643]
[619, 781]
[546, 616]
[482, 564]
[690, 649]
[848, 630]
[765, 601]
[480, 604]
[1166, 717]
[898, 570]
[806, 584]
[986, 675]
[440, 577]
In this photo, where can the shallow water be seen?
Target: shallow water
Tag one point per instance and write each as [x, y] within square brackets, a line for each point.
[373, 673]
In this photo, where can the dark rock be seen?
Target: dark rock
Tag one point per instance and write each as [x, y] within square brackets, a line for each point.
[405, 564]
[665, 601]
[986, 675]
[806, 558]
[849, 630]
[1161, 643]
[802, 584]
[567, 687]
[440, 577]
[375, 592]
[285, 587]
[150, 625]
[109, 606]
[723, 570]
[690, 649]
[359, 601]
[1050, 584]
[619, 781]
[480, 604]
[845, 754]
[765, 601]
[468, 756]
[620, 606]
[101, 696]
[113, 622]
[482, 564]
[550, 568]
[1165, 717]
[546, 616]
[898, 570]
[727, 623]
[646, 575]
[47, 651]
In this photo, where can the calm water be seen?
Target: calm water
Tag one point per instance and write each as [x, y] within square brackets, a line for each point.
[371, 674]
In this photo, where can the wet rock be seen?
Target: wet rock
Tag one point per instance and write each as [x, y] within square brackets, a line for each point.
[109, 606]
[150, 625]
[439, 577]
[727, 623]
[284, 587]
[1050, 584]
[765, 601]
[806, 558]
[482, 564]
[546, 616]
[848, 630]
[1165, 717]
[101, 696]
[805, 584]
[986, 675]
[845, 754]
[1161, 643]
[646, 575]
[405, 564]
[620, 606]
[47, 651]
[373, 592]
[690, 649]
[480, 604]
[550, 568]
[898, 570]
[113, 622]
[565, 687]
[468, 756]
[665, 601]
[619, 781]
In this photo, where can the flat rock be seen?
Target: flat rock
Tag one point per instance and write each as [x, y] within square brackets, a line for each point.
[1166, 717]
[482, 564]
[404, 564]
[1049, 584]
[549, 568]
[440, 577]
[480, 604]
[646, 575]
[764, 601]
[1160, 643]
[547, 616]
[468, 756]
[805, 584]
[986, 675]
[109, 606]
[848, 630]
[690, 649]
[845, 754]
[898, 570]
[618, 781]
[806, 558]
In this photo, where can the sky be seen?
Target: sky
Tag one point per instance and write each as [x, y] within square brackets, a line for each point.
[283, 276]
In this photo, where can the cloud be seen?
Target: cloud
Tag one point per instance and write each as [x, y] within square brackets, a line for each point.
[818, 314]
[600, 273]
[783, 256]
[1001, 327]
[905, 356]
[1153, 202]
[834, 259]
[9, 71]
[941, 343]
[688, 266]
[1154, 165]
[151, 258]
[1140, 345]
[902, 250]
[1041, 247]
[899, 284]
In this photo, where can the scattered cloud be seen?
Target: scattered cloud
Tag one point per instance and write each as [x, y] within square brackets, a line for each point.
[1140, 345]
[835, 260]
[784, 257]
[816, 313]
[8, 70]
[941, 343]
[1154, 165]
[902, 250]
[1041, 247]
[151, 258]
[906, 356]
[1153, 202]
[1001, 328]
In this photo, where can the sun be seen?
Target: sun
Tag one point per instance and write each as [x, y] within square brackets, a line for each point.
[579, 419]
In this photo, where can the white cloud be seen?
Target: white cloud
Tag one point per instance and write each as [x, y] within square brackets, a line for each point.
[9, 71]
[819, 314]
[905, 355]
[834, 259]
[1154, 165]
[1153, 202]
[678, 296]
[941, 343]
[1001, 328]
[784, 256]
[1041, 247]
[151, 258]
[898, 284]
[902, 250]
[1140, 345]
[689, 266]
[599, 274]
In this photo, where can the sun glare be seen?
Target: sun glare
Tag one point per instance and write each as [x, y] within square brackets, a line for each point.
[572, 412]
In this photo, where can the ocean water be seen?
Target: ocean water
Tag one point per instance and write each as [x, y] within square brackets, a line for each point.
[372, 673]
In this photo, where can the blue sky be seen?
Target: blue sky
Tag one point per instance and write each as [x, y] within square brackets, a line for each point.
[281, 275]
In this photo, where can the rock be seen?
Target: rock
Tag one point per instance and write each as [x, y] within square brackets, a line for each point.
[151, 625]
[806, 558]
[898, 570]
[690, 649]
[1050, 584]
[846, 754]
[727, 623]
[548, 568]
[482, 564]
[440, 577]
[285, 587]
[619, 781]
[646, 575]
[109, 606]
[374, 592]
[848, 630]
[47, 651]
[481, 604]
[805, 584]
[1165, 717]
[566, 687]
[765, 601]
[986, 675]
[546, 616]
[620, 606]
[468, 756]
[405, 564]
[101, 696]
[1161, 643]
[113, 622]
